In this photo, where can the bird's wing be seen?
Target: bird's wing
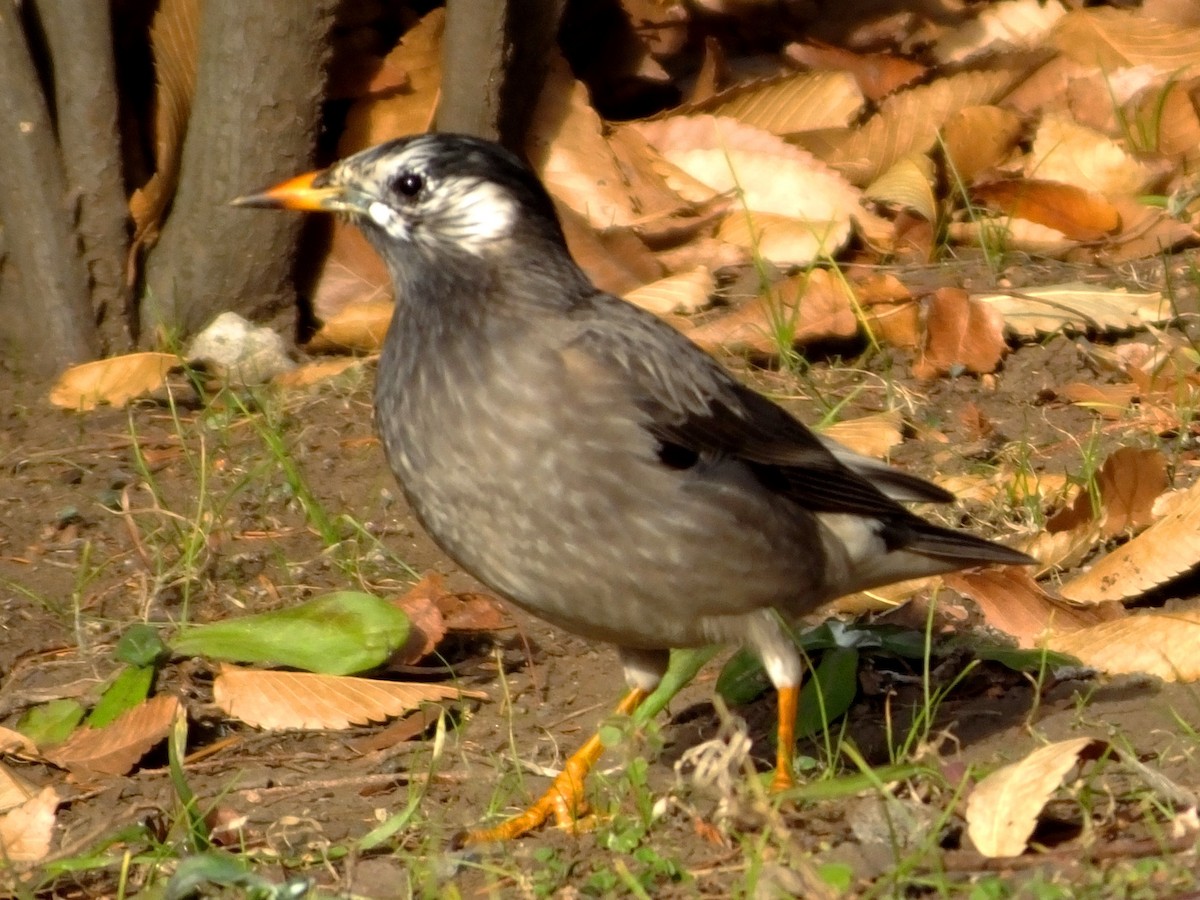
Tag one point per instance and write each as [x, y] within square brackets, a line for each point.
[693, 403]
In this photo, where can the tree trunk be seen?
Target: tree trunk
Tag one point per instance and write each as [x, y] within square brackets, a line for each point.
[254, 121]
[79, 36]
[494, 61]
[48, 322]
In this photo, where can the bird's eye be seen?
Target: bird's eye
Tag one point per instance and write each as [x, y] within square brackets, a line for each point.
[408, 184]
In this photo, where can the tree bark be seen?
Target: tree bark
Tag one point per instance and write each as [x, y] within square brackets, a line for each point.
[85, 91]
[494, 61]
[254, 121]
[49, 323]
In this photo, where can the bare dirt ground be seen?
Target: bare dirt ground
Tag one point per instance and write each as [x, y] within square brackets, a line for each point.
[76, 568]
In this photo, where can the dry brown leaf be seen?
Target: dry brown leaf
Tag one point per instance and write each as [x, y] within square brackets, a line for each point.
[474, 613]
[806, 308]
[1112, 401]
[1164, 551]
[1080, 214]
[791, 202]
[877, 74]
[1012, 602]
[684, 292]
[1156, 643]
[174, 45]
[426, 621]
[16, 744]
[410, 110]
[616, 260]
[960, 332]
[1118, 38]
[113, 381]
[117, 747]
[1129, 482]
[305, 700]
[1003, 809]
[896, 324]
[908, 122]
[790, 105]
[907, 185]
[1061, 550]
[1067, 152]
[566, 146]
[352, 272]
[874, 435]
[979, 138]
[359, 327]
[14, 790]
[1145, 231]
[999, 26]
[315, 372]
[1076, 307]
[26, 832]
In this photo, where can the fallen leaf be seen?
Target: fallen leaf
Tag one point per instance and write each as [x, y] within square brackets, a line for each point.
[960, 332]
[316, 372]
[1121, 38]
[788, 105]
[1013, 23]
[1003, 809]
[1067, 152]
[1012, 602]
[684, 292]
[358, 327]
[1076, 307]
[304, 700]
[115, 380]
[26, 832]
[877, 74]
[1156, 643]
[14, 790]
[798, 310]
[1164, 551]
[979, 138]
[117, 747]
[427, 625]
[874, 435]
[1080, 214]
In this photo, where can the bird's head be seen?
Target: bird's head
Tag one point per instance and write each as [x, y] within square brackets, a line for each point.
[431, 193]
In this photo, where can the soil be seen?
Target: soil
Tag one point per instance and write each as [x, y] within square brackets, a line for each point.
[95, 510]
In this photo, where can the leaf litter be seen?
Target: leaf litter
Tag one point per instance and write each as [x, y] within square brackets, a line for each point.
[1011, 147]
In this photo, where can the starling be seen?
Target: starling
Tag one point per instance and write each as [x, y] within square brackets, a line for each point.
[587, 461]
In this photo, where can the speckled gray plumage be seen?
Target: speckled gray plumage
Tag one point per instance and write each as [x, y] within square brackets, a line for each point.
[584, 459]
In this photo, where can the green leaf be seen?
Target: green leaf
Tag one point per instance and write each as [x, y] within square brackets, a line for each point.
[51, 723]
[127, 690]
[140, 645]
[1025, 660]
[829, 691]
[742, 679]
[338, 634]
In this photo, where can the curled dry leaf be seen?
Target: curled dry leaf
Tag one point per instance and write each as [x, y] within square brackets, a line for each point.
[1156, 643]
[113, 381]
[427, 625]
[1080, 214]
[877, 74]
[907, 185]
[1164, 551]
[1012, 602]
[117, 747]
[26, 832]
[1003, 809]
[908, 122]
[290, 700]
[685, 292]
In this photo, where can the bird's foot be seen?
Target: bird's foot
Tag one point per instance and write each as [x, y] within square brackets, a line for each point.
[563, 801]
[783, 780]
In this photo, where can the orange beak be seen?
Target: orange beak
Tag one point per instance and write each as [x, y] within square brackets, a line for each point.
[298, 193]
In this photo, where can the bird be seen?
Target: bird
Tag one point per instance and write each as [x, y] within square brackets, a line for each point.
[587, 461]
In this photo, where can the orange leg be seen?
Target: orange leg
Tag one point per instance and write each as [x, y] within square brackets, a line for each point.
[564, 799]
[789, 698]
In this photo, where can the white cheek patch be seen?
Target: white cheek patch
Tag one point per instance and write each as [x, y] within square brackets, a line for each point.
[477, 214]
[387, 219]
